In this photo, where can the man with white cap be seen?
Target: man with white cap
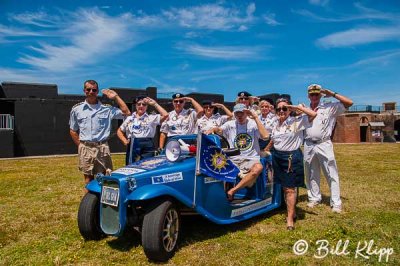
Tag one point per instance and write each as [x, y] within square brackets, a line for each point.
[244, 133]
[318, 148]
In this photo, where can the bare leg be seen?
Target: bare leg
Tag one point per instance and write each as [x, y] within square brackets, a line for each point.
[290, 195]
[255, 170]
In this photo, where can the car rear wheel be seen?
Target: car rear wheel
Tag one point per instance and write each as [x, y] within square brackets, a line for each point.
[88, 217]
[160, 231]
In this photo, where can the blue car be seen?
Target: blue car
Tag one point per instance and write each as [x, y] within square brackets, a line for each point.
[152, 193]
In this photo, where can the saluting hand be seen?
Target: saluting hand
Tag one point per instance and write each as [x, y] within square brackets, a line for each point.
[150, 101]
[218, 105]
[250, 113]
[110, 94]
[327, 93]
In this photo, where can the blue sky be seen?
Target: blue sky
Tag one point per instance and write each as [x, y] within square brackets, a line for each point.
[206, 46]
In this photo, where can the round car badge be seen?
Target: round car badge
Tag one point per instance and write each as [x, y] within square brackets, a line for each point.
[243, 141]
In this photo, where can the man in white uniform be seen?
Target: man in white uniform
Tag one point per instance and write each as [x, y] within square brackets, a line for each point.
[318, 148]
[211, 118]
[243, 133]
[180, 121]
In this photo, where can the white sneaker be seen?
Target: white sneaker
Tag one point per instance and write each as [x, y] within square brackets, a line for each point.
[337, 209]
[312, 204]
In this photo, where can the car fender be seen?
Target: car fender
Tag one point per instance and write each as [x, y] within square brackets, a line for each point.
[151, 191]
[94, 186]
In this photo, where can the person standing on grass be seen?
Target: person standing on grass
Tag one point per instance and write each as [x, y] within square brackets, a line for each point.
[141, 125]
[90, 127]
[318, 148]
[287, 158]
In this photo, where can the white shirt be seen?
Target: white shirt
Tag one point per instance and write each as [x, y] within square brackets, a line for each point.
[182, 124]
[142, 127]
[324, 123]
[289, 136]
[204, 123]
[244, 137]
[269, 121]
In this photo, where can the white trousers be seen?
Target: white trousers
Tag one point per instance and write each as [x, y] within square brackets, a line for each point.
[317, 156]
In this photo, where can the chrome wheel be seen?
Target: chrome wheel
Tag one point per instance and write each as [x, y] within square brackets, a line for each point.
[170, 230]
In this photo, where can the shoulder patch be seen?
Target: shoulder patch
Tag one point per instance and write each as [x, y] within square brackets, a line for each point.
[77, 104]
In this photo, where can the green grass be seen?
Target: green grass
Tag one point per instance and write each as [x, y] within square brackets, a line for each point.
[39, 199]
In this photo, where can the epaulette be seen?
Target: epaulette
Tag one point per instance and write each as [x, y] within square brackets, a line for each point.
[77, 104]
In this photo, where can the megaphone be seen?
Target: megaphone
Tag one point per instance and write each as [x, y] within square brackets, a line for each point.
[176, 148]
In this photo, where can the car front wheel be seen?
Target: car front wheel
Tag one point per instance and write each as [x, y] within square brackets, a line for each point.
[160, 231]
[88, 217]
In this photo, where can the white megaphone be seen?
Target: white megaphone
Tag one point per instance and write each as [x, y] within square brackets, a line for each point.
[176, 148]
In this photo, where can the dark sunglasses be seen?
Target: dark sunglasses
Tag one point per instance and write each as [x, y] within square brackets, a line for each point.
[90, 89]
[284, 109]
[178, 101]
[243, 98]
[314, 94]
[141, 104]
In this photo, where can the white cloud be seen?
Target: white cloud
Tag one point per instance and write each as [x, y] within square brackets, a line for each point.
[358, 36]
[318, 2]
[364, 13]
[92, 36]
[39, 19]
[224, 52]
[211, 17]
[270, 19]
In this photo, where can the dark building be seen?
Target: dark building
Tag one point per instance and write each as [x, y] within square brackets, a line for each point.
[34, 117]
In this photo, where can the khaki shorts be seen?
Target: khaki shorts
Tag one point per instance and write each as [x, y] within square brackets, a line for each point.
[245, 166]
[94, 159]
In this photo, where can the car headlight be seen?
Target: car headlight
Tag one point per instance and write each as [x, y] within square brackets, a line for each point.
[131, 181]
[99, 178]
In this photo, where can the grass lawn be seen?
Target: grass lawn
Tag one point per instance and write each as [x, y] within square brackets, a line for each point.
[39, 200]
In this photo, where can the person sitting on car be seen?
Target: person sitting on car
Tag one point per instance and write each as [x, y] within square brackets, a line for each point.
[140, 124]
[210, 118]
[180, 121]
[244, 133]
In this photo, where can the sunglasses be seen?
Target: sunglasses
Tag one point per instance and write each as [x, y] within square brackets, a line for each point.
[314, 94]
[243, 98]
[283, 109]
[178, 101]
[141, 104]
[90, 89]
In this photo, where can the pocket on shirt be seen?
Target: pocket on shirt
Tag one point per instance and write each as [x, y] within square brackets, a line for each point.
[82, 121]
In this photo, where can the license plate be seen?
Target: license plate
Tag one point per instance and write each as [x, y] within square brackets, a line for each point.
[110, 196]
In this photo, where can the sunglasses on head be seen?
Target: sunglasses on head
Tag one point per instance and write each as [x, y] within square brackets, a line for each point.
[283, 109]
[178, 101]
[90, 89]
[141, 104]
[243, 98]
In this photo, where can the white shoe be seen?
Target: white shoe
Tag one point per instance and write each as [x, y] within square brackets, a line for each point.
[337, 209]
[312, 204]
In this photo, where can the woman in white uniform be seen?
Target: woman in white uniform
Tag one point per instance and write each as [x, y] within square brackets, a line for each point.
[140, 125]
[287, 158]
[212, 119]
